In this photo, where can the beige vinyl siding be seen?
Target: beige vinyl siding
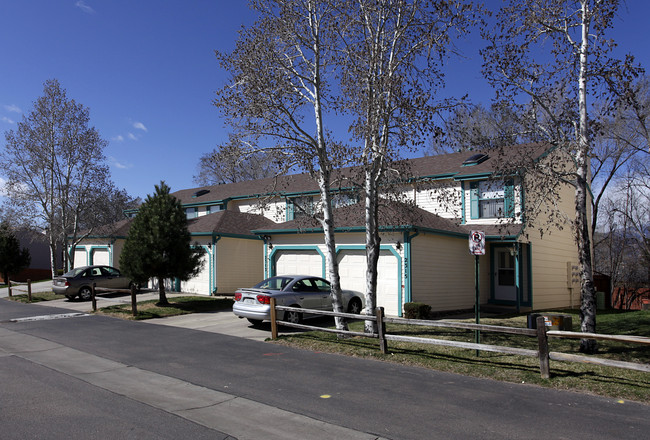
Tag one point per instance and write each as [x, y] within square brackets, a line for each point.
[117, 251]
[239, 264]
[442, 272]
[552, 252]
[441, 198]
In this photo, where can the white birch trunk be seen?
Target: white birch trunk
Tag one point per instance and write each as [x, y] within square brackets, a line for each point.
[587, 291]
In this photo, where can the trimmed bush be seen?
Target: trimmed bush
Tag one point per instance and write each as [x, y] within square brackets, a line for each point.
[416, 310]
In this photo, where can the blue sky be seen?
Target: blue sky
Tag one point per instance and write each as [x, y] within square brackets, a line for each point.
[146, 70]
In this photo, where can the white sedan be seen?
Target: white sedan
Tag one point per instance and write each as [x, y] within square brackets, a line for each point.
[293, 291]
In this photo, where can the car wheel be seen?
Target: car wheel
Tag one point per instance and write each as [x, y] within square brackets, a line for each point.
[354, 306]
[293, 317]
[85, 293]
[255, 322]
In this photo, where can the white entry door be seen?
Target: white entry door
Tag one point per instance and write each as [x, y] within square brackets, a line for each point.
[504, 276]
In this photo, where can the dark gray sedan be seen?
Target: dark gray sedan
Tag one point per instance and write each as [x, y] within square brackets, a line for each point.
[290, 290]
[79, 281]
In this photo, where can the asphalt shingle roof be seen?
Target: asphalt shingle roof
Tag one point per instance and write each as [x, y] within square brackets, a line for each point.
[421, 167]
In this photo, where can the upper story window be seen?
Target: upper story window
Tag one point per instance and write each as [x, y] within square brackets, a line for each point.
[298, 207]
[492, 199]
[340, 200]
[212, 208]
[191, 213]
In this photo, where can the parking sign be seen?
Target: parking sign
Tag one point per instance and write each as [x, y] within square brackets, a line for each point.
[477, 243]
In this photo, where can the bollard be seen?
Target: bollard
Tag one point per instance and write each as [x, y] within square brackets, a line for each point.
[381, 330]
[9, 287]
[542, 339]
[134, 301]
[274, 322]
[92, 297]
[29, 290]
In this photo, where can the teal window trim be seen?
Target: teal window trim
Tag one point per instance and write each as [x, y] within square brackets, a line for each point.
[473, 200]
[391, 249]
[289, 210]
[508, 199]
[278, 248]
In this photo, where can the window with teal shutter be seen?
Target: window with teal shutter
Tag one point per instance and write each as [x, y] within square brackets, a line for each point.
[473, 200]
[492, 199]
[509, 198]
[289, 215]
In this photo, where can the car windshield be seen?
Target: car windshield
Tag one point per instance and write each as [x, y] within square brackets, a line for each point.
[275, 283]
[74, 272]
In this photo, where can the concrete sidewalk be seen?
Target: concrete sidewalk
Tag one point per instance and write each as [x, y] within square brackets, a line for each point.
[207, 407]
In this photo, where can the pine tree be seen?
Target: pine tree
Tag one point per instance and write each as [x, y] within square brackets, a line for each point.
[159, 243]
[13, 259]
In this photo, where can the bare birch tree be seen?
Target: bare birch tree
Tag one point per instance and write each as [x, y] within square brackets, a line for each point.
[55, 168]
[391, 69]
[277, 98]
[542, 47]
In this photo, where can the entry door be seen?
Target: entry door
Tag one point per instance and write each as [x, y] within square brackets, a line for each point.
[504, 277]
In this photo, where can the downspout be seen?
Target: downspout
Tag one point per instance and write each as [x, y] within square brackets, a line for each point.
[408, 294]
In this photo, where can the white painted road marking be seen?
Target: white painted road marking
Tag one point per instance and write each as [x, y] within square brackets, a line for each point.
[48, 317]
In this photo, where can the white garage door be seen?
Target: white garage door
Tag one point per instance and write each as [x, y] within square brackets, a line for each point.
[298, 263]
[101, 256]
[80, 257]
[352, 269]
[200, 284]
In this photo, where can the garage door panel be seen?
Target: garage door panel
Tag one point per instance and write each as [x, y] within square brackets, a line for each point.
[100, 257]
[80, 258]
[200, 284]
[352, 269]
[299, 263]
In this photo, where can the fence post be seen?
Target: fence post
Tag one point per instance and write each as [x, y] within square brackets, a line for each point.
[542, 339]
[9, 287]
[274, 323]
[92, 296]
[134, 301]
[29, 290]
[381, 330]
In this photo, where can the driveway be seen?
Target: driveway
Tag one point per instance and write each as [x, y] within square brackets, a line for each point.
[224, 322]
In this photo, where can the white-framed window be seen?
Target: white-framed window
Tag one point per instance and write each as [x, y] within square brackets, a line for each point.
[191, 213]
[492, 199]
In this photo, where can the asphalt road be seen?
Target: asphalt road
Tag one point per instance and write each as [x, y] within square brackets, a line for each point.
[263, 390]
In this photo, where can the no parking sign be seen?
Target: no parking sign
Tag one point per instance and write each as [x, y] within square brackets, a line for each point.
[477, 243]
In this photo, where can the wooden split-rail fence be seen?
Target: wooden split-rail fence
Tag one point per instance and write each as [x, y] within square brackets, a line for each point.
[540, 333]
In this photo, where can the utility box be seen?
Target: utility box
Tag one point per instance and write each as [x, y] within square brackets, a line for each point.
[600, 300]
[552, 321]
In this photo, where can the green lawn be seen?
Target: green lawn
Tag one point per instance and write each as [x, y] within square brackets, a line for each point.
[607, 381]
[36, 297]
[181, 305]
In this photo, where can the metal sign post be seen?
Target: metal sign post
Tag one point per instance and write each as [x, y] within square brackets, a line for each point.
[476, 248]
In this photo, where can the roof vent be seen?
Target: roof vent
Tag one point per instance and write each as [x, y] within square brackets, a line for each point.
[475, 159]
[201, 192]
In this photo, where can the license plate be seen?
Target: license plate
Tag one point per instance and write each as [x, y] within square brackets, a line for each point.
[249, 301]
